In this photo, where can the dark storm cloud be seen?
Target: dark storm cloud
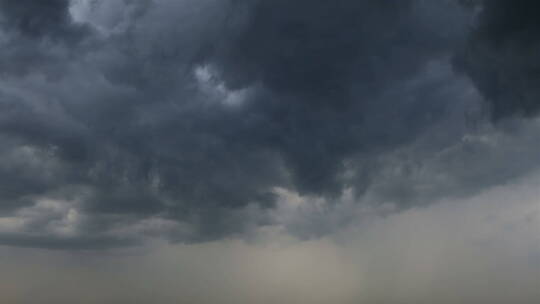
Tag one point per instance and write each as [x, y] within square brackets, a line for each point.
[37, 19]
[326, 66]
[194, 111]
[38, 36]
[502, 56]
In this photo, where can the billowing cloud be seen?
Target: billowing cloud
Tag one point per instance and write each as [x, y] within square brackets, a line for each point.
[269, 151]
[122, 121]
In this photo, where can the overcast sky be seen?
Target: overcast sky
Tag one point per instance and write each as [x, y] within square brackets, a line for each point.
[269, 151]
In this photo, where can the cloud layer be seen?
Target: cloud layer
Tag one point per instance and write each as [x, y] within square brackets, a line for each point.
[475, 250]
[196, 120]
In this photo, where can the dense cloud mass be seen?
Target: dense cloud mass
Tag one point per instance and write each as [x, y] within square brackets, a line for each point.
[195, 120]
[502, 59]
[39, 18]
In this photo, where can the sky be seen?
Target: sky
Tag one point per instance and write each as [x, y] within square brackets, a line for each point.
[269, 151]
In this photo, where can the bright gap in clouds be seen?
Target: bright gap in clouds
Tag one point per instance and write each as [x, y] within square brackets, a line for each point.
[214, 88]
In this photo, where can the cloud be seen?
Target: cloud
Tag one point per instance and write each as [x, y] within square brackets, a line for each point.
[334, 74]
[188, 120]
[501, 57]
[39, 19]
[474, 250]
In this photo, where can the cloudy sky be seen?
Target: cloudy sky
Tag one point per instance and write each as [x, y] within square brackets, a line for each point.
[269, 151]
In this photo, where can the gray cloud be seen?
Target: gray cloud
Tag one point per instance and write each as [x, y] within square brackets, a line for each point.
[468, 251]
[40, 19]
[501, 57]
[180, 119]
[333, 70]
